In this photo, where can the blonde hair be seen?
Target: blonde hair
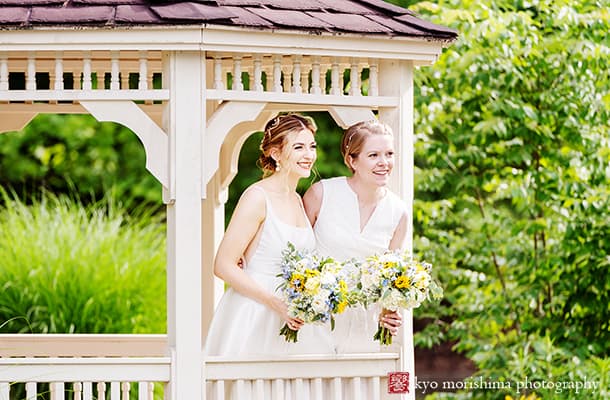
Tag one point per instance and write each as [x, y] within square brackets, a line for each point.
[276, 131]
[356, 135]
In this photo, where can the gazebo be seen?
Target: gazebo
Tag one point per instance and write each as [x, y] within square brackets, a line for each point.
[193, 79]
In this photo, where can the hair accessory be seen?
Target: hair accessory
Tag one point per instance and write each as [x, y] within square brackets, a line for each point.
[274, 122]
[349, 140]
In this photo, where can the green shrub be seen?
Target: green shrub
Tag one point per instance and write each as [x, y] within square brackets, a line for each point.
[66, 268]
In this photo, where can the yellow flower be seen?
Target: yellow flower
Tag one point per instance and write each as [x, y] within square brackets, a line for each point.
[311, 272]
[389, 264]
[402, 282]
[341, 306]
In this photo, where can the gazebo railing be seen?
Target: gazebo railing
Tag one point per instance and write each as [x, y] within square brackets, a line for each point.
[86, 367]
[72, 75]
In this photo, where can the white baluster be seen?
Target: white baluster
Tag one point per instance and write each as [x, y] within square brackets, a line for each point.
[375, 384]
[143, 74]
[125, 388]
[59, 71]
[324, 68]
[4, 391]
[277, 389]
[57, 391]
[31, 391]
[315, 76]
[218, 82]
[336, 389]
[88, 391]
[149, 79]
[30, 80]
[115, 391]
[87, 71]
[374, 78]
[258, 73]
[151, 390]
[240, 389]
[299, 389]
[114, 70]
[277, 73]
[296, 75]
[316, 388]
[259, 389]
[286, 73]
[268, 71]
[3, 71]
[77, 387]
[101, 390]
[237, 83]
[354, 77]
[143, 391]
[335, 79]
[356, 388]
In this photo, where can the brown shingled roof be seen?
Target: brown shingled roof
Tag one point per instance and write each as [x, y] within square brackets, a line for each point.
[335, 16]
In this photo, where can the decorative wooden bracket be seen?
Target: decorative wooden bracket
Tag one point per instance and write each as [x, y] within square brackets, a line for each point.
[153, 138]
[227, 119]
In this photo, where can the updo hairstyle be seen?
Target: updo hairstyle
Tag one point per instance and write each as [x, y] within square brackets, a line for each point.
[276, 131]
[356, 135]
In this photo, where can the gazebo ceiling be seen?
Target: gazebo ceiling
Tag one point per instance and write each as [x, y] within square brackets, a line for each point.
[370, 17]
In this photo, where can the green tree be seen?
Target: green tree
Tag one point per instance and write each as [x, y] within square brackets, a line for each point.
[512, 196]
[75, 154]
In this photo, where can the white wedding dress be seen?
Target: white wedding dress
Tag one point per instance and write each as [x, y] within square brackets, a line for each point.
[243, 327]
[338, 235]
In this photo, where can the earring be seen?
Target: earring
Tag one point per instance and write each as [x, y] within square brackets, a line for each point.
[277, 166]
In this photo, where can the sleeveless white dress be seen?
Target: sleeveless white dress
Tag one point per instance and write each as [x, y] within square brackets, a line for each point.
[244, 327]
[338, 235]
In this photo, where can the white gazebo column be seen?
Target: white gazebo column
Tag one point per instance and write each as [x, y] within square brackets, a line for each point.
[213, 224]
[396, 79]
[183, 75]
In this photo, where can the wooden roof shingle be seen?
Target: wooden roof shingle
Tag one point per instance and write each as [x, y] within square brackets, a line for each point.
[333, 16]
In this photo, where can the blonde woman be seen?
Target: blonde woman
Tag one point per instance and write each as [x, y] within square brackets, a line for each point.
[357, 216]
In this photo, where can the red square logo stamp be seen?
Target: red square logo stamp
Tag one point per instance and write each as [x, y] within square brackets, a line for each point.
[398, 382]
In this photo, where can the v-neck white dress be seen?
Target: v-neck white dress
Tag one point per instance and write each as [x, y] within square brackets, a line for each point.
[338, 235]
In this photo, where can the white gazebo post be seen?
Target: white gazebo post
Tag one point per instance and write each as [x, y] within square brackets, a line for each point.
[184, 73]
[396, 79]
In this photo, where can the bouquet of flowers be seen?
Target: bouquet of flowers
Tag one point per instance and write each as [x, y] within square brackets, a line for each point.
[312, 287]
[396, 280]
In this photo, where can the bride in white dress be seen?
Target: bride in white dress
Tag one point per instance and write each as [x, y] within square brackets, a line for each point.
[355, 217]
[268, 215]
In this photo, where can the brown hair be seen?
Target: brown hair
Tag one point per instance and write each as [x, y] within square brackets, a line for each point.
[355, 136]
[276, 131]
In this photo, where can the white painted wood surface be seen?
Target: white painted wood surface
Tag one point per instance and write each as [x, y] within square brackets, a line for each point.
[396, 80]
[184, 73]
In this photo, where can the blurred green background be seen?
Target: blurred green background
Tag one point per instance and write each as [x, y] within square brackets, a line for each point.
[512, 203]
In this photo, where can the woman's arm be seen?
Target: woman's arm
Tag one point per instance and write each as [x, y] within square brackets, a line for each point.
[399, 239]
[247, 218]
[312, 201]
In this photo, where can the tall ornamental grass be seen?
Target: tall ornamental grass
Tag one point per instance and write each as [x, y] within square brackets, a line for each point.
[69, 268]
